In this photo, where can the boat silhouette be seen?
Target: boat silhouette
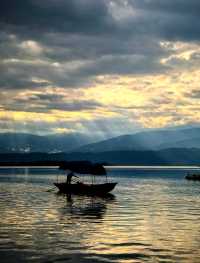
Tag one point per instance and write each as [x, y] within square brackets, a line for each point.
[80, 188]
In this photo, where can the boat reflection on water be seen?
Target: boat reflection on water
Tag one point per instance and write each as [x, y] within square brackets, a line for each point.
[90, 206]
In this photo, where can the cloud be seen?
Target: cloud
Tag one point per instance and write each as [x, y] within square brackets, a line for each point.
[56, 15]
[69, 69]
[46, 103]
[170, 20]
[70, 43]
[50, 49]
[194, 94]
[173, 7]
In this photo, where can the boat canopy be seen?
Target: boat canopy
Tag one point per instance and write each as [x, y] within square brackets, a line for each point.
[84, 167]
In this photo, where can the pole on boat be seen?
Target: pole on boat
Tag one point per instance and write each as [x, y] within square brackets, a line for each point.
[106, 178]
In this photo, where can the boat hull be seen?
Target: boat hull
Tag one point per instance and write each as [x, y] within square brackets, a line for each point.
[85, 189]
[193, 177]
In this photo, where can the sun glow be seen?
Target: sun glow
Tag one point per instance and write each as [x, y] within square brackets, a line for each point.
[152, 101]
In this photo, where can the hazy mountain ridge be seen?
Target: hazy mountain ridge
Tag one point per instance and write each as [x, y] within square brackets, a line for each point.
[152, 140]
[142, 141]
[21, 142]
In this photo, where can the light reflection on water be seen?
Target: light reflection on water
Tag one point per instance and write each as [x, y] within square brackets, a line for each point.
[152, 217]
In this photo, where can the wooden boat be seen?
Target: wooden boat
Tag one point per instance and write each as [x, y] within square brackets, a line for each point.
[85, 189]
[84, 167]
[193, 177]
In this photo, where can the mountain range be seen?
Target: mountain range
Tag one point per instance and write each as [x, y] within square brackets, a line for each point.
[152, 140]
[149, 140]
[22, 142]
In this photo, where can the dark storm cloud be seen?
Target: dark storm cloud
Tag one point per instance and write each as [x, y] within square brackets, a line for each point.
[75, 47]
[171, 19]
[122, 65]
[172, 6]
[18, 75]
[44, 103]
[56, 15]
[166, 18]
[92, 35]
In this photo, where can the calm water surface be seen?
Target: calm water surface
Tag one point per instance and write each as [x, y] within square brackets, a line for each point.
[153, 216]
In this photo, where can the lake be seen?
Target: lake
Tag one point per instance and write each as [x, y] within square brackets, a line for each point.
[152, 216]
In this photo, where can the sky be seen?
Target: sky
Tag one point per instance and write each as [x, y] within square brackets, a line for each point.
[98, 66]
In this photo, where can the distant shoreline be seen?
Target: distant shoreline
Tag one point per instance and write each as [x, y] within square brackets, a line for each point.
[56, 165]
[153, 167]
[169, 157]
[30, 164]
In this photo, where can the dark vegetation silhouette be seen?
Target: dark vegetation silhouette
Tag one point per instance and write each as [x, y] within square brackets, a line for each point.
[171, 156]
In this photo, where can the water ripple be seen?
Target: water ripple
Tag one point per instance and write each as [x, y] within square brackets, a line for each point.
[149, 220]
